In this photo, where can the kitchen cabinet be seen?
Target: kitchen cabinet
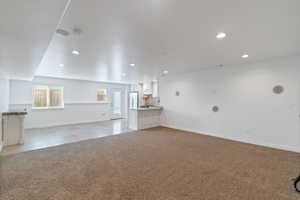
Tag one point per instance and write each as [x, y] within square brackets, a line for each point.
[143, 118]
[13, 128]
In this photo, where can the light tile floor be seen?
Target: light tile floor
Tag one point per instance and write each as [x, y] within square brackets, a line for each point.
[48, 137]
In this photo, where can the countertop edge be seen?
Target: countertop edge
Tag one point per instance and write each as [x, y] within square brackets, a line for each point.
[147, 109]
[14, 113]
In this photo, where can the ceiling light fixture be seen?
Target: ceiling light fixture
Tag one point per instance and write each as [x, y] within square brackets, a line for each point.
[75, 52]
[132, 64]
[165, 72]
[245, 56]
[124, 74]
[61, 65]
[221, 35]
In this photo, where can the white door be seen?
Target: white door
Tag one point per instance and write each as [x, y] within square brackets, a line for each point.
[117, 103]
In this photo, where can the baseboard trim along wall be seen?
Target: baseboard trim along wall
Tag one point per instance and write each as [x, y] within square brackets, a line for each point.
[275, 146]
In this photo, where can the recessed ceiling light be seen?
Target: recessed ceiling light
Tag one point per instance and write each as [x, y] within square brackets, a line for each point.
[61, 65]
[75, 52]
[221, 35]
[165, 72]
[132, 64]
[245, 56]
[124, 74]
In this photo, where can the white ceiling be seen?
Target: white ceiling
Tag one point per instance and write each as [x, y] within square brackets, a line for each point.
[177, 35]
[26, 29]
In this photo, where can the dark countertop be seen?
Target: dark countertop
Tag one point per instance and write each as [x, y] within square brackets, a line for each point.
[14, 113]
[148, 108]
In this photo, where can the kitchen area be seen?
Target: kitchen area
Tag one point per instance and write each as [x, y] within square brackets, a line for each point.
[144, 106]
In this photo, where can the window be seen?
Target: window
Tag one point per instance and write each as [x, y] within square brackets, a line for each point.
[40, 97]
[48, 97]
[55, 96]
[102, 95]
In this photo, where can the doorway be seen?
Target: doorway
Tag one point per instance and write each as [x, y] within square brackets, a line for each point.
[117, 103]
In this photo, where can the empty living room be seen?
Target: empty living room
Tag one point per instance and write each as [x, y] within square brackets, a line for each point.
[149, 100]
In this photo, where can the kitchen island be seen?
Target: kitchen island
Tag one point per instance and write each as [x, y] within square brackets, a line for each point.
[142, 118]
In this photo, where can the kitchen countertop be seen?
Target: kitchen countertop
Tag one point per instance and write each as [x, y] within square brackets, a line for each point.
[146, 109]
[14, 113]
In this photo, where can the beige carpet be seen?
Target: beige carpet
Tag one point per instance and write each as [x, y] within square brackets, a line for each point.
[156, 164]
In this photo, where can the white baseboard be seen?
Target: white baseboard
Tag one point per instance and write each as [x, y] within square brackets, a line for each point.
[275, 146]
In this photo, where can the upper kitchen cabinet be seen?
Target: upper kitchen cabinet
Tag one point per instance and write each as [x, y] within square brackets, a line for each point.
[150, 88]
[147, 88]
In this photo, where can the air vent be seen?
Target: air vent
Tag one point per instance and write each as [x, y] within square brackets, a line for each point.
[62, 32]
[77, 31]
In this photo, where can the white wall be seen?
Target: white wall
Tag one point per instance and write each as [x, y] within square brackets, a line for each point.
[249, 110]
[79, 98]
[4, 98]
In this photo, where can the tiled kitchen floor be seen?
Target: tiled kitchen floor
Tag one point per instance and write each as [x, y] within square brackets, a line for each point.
[47, 137]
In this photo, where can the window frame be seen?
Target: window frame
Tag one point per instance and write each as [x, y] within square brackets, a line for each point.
[48, 88]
